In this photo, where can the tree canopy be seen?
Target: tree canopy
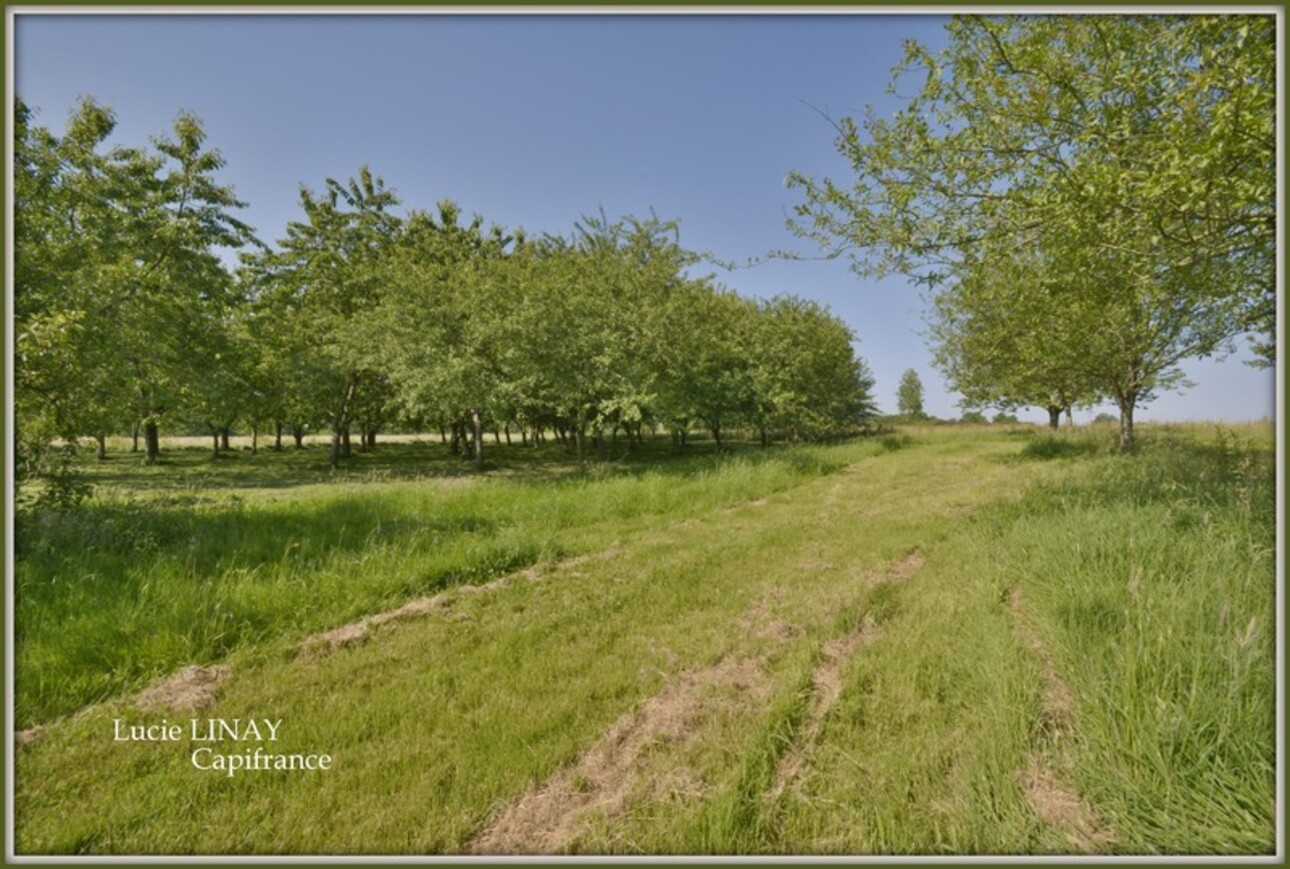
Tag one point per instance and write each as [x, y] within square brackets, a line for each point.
[131, 316]
[1125, 163]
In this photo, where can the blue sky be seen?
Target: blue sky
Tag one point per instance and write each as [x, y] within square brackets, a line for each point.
[535, 120]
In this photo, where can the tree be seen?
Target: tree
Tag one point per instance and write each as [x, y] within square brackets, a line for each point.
[327, 277]
[442, 320]
[909, 395]
[73, 241]
[116, 270]
[1007, 334]
[705, 373]
[590, 324]
[1140, 147]
[807, 380]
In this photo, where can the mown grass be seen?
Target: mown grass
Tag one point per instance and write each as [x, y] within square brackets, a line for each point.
[440, 722]
[1148, 582]
[147, 578]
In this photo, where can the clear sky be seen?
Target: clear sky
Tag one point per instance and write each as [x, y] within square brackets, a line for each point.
[534, 120]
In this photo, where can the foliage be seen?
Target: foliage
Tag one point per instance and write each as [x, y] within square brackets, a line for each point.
[1134, 156]
[909, 395]
[324, 280]
[359, 318]
[117, 281]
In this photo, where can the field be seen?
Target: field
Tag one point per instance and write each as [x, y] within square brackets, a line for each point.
[957, 640]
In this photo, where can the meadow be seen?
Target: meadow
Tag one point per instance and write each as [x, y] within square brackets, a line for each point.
[947, 640]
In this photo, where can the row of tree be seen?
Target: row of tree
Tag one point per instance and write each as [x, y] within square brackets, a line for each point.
[360, 317]
[1091, 200]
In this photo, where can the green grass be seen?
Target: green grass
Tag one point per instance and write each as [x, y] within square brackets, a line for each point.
[147, 578]
[1152, 578]
[1147, 582]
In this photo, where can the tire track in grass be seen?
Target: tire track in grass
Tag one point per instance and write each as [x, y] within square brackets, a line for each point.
[358, 632]
[602, 780]
[189, 689]
[826, 680]
[1045, 787]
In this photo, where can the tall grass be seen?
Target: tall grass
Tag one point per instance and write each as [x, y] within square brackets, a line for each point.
[1152, 579]
[135, 585]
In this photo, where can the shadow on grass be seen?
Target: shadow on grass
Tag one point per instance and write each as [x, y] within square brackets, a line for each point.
[177, 564]
[117, 593]
[1188, 470]
[1049, 448]
[191, 475]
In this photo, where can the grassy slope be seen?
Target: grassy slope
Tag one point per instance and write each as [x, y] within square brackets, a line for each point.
[438, 723]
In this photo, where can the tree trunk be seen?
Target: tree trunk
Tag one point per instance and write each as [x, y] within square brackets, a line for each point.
[223, 439]
[1054, 416]
[579, 438]
[1126, 422]
[298, 435]
[151, 442]
[477, 431]
[765, 442]
[716, 435]
[1070, 420]
[371, 438]
[443, 435]
[346, 450]
[134, 437]
[507, 429]
[277, 436]
[255, 438]
[214, 442]
[101, 440]
[340, 425]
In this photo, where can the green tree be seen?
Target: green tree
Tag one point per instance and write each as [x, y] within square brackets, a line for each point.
[326, 278]
[704, 373]
[909, 395]
[1007, 334]
[1136, 151]
[443, 327]
[591, 324]
[116, 271]
[807, 379]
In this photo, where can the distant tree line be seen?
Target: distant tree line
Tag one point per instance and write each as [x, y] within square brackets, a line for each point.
[361, 317]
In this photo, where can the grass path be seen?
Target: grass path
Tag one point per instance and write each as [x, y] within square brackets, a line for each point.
[836, 667]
